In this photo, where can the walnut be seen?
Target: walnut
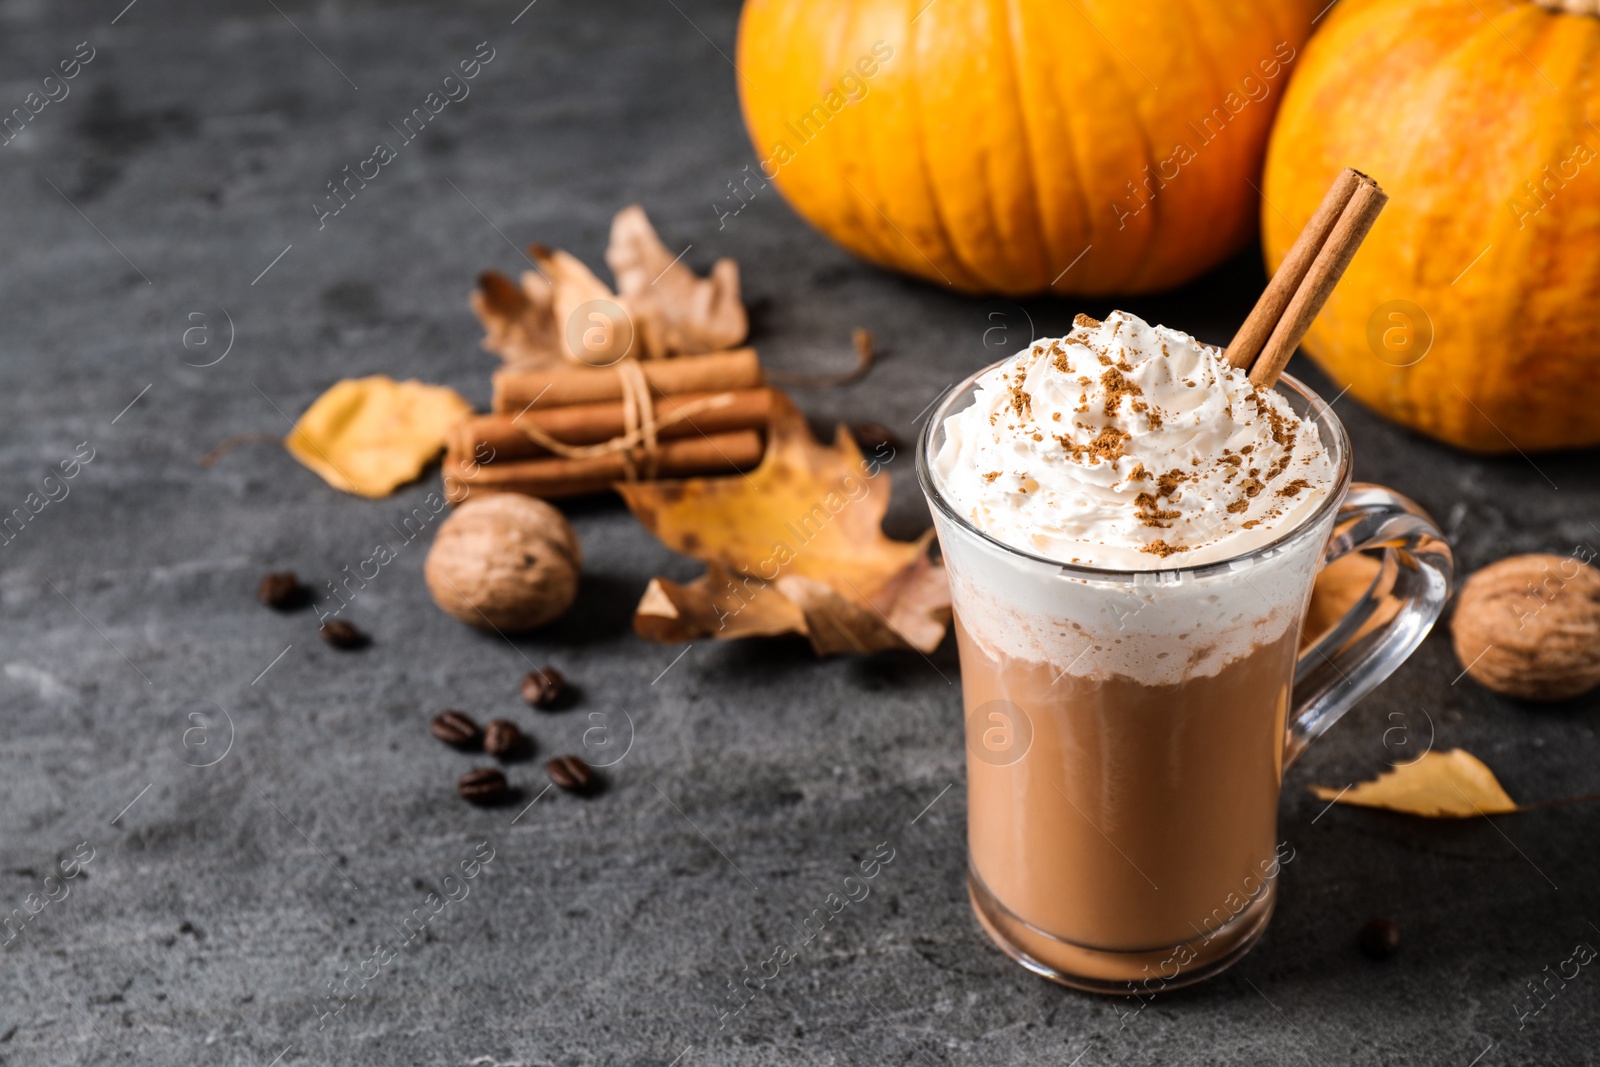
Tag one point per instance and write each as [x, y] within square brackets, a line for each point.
[504, 562]
[1529, 627]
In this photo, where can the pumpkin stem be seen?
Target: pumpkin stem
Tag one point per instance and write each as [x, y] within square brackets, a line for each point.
[1571, 7]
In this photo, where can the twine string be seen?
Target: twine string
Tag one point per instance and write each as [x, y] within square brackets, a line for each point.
[639, 443]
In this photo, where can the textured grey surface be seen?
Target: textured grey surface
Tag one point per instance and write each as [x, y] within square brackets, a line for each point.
[219, 906]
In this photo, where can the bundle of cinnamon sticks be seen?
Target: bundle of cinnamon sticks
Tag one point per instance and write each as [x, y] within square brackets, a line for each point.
[574, 429]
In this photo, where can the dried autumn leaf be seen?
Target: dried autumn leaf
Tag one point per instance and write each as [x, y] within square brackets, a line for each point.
[519, 324]
[675, 311]
[370, 435]
[795, 546]
[1338, 587]
[592, 324]
[670, 612]
[918, 612]
[1440, 785]
[564, 312]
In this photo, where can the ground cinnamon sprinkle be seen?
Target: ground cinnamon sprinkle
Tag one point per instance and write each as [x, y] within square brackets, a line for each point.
[1085, 321]
[1160, 548]
[1117, 387]
[1150, 512]
[991, 476]
[1170, 481]
[1139, 473]
[1106, 445]
[1294, 487]
[1280, 464]
[1058, 356]
[1281, 434]
[1021, 401]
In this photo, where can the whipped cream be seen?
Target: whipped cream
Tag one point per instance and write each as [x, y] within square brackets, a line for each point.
[1131, 447]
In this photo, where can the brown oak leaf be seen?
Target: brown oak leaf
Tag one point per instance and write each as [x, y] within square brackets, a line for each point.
[795, 546]
[562, 312]
[518, 322]
[675, 311]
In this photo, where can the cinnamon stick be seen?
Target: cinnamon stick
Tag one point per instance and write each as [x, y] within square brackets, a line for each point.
[1352, 227]
[681, 415]
[1252, 336]
[736, 368]
[555, 477]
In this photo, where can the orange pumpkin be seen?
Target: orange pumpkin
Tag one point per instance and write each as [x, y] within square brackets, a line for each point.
[1014, 146]
[1472, 312]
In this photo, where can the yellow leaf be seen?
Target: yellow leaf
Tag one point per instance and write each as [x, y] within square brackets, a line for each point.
[370, 435]
[795, 546]
[1440, 785]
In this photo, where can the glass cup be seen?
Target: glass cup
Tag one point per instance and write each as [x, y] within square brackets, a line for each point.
[1127, 731]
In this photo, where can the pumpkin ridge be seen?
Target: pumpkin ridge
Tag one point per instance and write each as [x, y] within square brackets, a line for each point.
[875, 223]
[990, 195]
[945, 253]
[1491, 380]
[1395, 393]
[919, 138]
[1266, 10]
[1131, 279]
[1079, 182]
[866, 171]
[1502, 394]
[980, 254]
[1206, 62]
[1496, 319]
[1031, 160]
[1136, 279]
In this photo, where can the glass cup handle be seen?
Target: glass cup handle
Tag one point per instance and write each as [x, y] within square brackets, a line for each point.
[1386, 624]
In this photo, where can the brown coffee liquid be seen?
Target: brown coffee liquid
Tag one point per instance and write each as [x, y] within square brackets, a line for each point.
[1140, 816]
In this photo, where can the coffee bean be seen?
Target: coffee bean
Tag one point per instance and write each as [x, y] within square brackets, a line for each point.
[486, 785]
[457, 730]
[341, 634]
[543, 688]
[502, 739]
[1379, 939]
[875, 437]
[570, 773]
[282, 591]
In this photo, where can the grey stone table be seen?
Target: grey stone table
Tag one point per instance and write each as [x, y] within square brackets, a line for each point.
[214, 906]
